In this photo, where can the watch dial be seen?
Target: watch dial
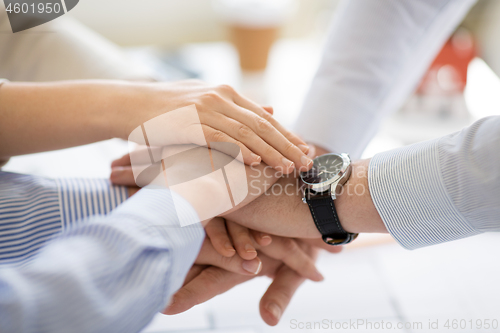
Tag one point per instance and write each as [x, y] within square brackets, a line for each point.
[325, 167]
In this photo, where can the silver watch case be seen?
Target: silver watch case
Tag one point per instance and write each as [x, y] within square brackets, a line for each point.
[331, 184]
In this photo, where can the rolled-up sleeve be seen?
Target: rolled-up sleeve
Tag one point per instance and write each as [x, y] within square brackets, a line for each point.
[440, 190]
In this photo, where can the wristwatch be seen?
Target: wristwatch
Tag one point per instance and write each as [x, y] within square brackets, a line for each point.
[319, 186]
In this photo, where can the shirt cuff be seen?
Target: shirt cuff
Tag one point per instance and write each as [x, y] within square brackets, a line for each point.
[82, 198]
[407, 189]
[159, 215]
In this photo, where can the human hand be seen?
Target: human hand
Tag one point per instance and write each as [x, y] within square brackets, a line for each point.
[282, 204]
[203, 283]
[280, 200]
[247, 242]
[105, 109]
[291, 218]
[225, 236]
[235, 264]
[258, 179]
[224, 115]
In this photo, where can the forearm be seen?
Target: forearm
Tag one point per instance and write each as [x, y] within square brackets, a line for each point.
[280, 209]
[46, 116]
[354, 205]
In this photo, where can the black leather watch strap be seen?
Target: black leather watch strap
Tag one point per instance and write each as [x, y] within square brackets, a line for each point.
[324, 214]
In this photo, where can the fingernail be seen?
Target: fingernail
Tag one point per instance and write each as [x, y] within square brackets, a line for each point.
[256, 158]
[318, 276]
[312, 152]
[265, 236]
[274, 309]
[117, 170]
[306, 161]
[250, 248]
[252, 266]
[304, 148]
[229, 247]
[287, 162]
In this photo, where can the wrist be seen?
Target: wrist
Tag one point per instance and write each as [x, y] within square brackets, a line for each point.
[278, 211]
[129, 103]
[354, 204]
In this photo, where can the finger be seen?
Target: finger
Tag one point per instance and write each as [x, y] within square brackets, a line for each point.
[264, 125]
[261, 238]
[247, 137]
[219, 237]
[194, 271]
[122, 161]
[319, 243]
[252, 106]
[280, 292]
[235, 264]
[242, 240]
[215, 135]
[278, 295]
[292, 255]
[122, 175]
[312, 151]
[211, 282]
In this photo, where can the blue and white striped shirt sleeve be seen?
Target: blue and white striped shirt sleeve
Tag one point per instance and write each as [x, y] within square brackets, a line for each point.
[34, 209]
[81, 198]
[440, 190]
[110, 274]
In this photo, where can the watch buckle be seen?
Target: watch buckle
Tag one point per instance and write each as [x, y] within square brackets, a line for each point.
[332, 241]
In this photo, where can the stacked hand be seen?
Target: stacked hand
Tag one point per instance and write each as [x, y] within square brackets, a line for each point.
[224, 116]
[232, 253]
[204, 282]
[266, 233]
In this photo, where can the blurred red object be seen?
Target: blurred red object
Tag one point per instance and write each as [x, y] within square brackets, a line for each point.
[448, 72]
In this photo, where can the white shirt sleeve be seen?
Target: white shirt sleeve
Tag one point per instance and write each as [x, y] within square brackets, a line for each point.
[62, 49]
[440, 190]
[374, 56]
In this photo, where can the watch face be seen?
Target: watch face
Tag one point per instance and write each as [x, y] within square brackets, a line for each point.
[325, 167]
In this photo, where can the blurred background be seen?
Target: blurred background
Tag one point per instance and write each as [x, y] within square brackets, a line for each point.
[269, 51]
